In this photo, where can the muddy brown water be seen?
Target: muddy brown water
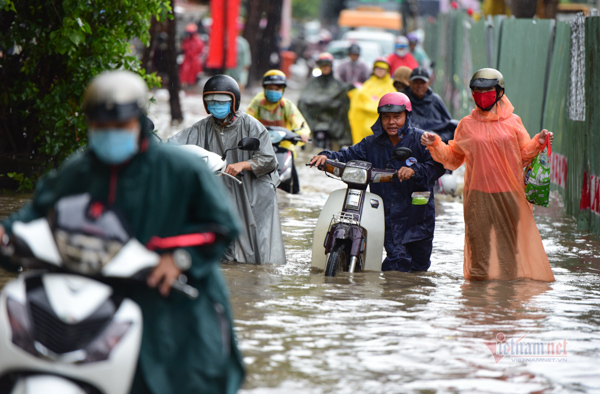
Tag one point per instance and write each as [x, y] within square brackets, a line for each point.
[430, 332]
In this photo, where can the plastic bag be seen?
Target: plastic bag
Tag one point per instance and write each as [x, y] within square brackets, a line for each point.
[537, 177]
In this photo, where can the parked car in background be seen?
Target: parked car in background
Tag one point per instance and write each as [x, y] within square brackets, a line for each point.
[385, 39]
[369, 51]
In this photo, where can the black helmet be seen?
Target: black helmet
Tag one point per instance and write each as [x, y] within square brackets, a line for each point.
[223, 84]
[487, 78]
[354, 49]
[115, 95]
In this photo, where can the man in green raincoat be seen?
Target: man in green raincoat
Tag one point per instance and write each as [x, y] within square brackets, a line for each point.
[188, 346]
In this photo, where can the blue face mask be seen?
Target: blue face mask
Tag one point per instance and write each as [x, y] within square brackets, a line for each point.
[113, 146]
[273, 95]
[219, 109]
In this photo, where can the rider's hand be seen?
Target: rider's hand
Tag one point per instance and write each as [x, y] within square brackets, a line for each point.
[405, 173]
[164, 274]
[318, 160]
[2, 233]
[236, 168]
[427, 138]
[542, 137]
[304, 138]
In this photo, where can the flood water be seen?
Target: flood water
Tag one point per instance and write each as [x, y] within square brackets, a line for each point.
[414, 333]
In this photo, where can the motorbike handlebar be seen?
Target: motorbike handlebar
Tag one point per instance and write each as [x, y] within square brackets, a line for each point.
[377, 175]
[382, 176]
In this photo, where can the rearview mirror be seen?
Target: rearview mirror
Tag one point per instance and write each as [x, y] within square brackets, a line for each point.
[249, 143]
[402, 153]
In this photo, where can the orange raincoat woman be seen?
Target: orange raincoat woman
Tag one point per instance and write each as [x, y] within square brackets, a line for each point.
[501, 238]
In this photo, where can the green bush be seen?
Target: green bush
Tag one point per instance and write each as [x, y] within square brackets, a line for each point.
[50, 51]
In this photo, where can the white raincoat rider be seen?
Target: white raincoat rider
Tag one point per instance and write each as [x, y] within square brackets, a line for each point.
[261, 240]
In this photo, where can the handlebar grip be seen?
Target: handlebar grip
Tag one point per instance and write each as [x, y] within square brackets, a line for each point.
[185, 289]
[388, 177]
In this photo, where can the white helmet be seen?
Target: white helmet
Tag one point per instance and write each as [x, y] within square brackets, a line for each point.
[115, 95]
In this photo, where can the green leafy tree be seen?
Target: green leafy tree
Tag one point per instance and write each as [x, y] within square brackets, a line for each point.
[50, 51]
[305, 9]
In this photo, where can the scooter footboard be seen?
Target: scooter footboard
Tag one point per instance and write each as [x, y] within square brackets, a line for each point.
[372, 221]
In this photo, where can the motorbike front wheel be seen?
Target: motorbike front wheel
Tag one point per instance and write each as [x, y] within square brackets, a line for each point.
[339, 258]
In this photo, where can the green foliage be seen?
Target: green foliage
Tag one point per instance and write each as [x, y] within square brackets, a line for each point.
[305, 9]
[51, 50]
[26, 184]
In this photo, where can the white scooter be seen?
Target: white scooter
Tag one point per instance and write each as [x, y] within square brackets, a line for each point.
[218, 164]
[350, 230]
[65, 326]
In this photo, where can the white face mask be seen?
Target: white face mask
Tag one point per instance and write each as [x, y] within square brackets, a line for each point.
[401, 52]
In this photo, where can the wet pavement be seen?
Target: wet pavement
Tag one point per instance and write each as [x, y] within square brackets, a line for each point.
[396, 332]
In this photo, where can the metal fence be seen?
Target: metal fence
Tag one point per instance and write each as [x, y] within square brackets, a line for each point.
[552, 77]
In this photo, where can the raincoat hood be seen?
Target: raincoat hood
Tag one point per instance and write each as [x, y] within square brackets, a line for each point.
[363, 105]
[378, 129]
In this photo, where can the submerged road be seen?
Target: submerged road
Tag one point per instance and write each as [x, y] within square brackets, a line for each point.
[397, 332]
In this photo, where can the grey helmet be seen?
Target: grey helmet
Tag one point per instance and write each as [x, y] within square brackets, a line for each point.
[116, 95]
[487, 78]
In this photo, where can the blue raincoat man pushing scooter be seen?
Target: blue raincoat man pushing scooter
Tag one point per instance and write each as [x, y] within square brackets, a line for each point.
[408, 228]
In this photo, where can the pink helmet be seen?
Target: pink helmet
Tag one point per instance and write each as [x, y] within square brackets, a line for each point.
[394, 102]
[325, 58]
[191, 28]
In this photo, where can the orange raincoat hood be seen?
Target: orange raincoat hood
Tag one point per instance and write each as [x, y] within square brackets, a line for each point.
[495, 146]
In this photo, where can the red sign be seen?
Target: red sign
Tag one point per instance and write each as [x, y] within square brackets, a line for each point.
[223, 33]
[590, 193]
[558, 170]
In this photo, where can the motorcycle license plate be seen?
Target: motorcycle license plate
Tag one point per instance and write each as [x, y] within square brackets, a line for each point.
[353, 199]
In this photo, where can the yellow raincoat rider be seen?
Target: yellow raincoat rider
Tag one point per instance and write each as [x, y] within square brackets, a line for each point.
[272, 109]
[363, 101]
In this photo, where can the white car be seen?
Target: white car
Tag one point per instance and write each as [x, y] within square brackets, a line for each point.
[385, 39]
[369, 51]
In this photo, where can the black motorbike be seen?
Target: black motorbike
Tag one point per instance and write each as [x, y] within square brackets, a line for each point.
[287, 168]
[322, 138]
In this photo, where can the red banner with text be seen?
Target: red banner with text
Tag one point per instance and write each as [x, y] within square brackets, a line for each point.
[590, 193]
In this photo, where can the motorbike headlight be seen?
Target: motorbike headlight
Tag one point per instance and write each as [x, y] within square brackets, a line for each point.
[20, 325]
[276, 136]
[85, 254]
[354, 175]
[100, 349]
